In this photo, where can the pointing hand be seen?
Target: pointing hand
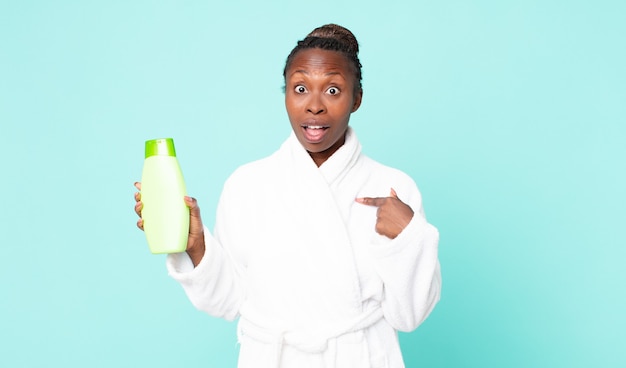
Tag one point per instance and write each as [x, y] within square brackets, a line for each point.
[392, 216]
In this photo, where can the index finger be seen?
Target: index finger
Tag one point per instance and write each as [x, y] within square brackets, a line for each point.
[372, 201]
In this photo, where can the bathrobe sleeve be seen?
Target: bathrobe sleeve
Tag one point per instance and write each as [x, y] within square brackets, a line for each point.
[409, 268]
[215, 286]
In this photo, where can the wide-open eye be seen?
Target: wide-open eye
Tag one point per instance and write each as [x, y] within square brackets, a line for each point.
[300, 89]
[333, 91]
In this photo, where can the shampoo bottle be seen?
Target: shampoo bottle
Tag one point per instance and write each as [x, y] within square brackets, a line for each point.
[165, 214]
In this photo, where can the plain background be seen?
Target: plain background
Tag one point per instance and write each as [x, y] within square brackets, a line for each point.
[510, 116]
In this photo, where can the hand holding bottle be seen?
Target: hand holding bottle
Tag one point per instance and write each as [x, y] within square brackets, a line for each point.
[195, 241]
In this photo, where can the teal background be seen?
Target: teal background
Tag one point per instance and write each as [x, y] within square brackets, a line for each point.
[510, 116]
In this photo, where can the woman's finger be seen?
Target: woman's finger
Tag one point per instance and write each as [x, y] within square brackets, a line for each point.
[369, 201]
[138, 208]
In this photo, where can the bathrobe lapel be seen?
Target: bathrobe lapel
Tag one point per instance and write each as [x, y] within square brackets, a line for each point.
[321, 232]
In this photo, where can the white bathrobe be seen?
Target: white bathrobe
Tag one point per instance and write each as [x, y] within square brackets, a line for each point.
[300, 263]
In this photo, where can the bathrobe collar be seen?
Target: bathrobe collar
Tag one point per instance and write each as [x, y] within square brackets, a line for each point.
[337, 165]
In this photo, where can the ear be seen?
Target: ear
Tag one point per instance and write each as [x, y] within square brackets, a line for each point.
[358, 97]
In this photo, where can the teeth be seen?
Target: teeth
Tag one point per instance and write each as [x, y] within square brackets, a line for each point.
[314, 127]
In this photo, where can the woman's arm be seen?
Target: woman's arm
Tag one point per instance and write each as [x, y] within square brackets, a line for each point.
[408, 261]
[213, 285]
[205, 271]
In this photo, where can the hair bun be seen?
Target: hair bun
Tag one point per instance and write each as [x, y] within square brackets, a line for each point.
[339, 33]
[331, 37]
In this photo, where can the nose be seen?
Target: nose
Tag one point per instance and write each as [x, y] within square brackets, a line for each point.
[315, 104]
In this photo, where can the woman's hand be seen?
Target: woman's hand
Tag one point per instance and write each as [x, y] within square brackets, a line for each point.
[138, 205]
[195, 240]
[392, 216]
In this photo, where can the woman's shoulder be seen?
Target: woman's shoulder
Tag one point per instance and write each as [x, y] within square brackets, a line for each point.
[254, 172]
[382, 178]
[385, 171]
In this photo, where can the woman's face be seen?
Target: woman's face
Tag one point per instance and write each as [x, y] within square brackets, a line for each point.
[320, 95]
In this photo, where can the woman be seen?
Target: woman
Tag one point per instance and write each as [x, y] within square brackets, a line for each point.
[313, 249]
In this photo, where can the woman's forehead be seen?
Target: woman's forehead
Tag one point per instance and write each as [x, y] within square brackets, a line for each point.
[319, 61]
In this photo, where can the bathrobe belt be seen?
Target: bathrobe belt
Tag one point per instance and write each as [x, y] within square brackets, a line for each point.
[308, 341]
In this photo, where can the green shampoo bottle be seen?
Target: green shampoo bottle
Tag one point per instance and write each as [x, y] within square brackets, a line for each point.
[165, 214]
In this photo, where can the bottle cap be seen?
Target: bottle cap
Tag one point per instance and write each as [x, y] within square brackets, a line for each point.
[160, 147]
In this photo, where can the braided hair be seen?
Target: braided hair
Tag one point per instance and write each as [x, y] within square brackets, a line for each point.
[331, 37]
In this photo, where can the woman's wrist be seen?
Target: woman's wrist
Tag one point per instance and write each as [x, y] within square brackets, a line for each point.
[196, 249]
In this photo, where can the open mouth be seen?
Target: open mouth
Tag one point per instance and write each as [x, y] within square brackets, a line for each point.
[314, 133]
